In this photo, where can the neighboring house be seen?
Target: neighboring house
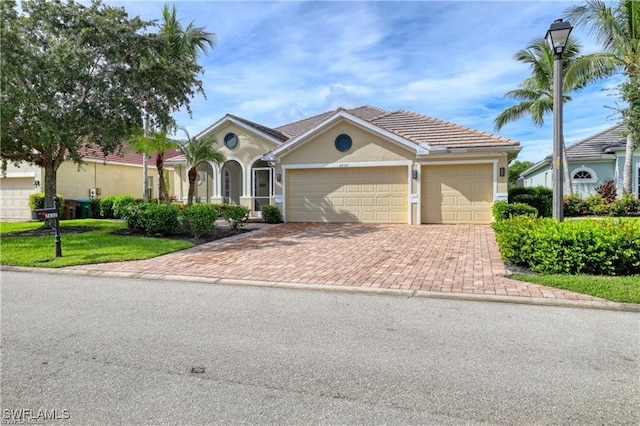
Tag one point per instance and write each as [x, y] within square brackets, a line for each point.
[592, 161]
[357, 165]
[99, 176]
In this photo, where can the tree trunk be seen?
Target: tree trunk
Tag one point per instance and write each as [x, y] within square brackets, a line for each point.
[145, 162]
[193, 176]
[50, 184]
[626, 171]
[568, 188]
[162, 192]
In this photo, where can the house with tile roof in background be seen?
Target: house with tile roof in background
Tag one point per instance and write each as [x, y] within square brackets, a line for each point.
[364, 164]
[592, 161]
[100, 175]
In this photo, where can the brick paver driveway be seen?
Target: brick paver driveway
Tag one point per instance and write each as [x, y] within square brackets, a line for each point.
[442, 258]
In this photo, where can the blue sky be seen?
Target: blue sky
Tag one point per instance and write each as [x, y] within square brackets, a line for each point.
[277, 62]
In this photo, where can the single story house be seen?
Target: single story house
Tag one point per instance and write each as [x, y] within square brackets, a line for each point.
[592, 161]
[100, 175]
[364, 164]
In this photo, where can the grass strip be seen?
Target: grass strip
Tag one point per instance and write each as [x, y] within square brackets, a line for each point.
[616, 289]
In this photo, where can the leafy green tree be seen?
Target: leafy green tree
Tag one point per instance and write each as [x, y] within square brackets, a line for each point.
[515, 169]
[197, 151]
[616, 26]
[67, 81]
[535, 93]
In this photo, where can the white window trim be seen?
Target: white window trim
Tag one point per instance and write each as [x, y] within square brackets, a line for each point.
[594, 175]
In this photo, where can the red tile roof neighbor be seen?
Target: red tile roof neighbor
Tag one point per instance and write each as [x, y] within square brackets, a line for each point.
[126, 155]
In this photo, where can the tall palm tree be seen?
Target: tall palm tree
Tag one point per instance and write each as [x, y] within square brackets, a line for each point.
[616, 27]
[535, 93]
[197, 151]
[181, 47]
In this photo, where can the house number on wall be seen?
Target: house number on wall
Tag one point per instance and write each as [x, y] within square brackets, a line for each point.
[343, 165]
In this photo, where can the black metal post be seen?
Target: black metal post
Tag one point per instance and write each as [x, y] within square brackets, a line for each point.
[56, 225]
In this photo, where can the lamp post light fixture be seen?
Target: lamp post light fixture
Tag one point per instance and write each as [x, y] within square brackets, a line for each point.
[557, 37]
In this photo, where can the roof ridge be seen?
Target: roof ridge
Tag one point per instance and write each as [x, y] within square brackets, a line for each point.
[301, 120]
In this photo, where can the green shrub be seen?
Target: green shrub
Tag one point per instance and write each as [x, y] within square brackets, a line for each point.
[596, 205]
[236, 215]
[134, 215]
[199, 219]
[155, 219]
[625, 206]
[601, 247]
[539, 197]
[106, 206]
[503, 210]
[120, 204]
[95, 208]
[574, 205]
[271, 214]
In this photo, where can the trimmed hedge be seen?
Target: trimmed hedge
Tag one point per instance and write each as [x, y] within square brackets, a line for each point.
[271, 214]
[236, 215]
[575, 205]
[36, 201]
[602, 247]
[539, 197]
[199, 219]
[502, 210]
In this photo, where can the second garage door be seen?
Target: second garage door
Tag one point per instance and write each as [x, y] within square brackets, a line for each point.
[355, 194]
[14, 198]
[457, 193]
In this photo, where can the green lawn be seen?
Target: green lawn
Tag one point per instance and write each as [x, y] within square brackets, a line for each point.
[95, 246]
[617, 289]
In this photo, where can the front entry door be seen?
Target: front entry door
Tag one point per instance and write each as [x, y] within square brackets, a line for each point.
[262, 187]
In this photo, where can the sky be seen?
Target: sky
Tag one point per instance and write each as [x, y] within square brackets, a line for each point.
[278, 62]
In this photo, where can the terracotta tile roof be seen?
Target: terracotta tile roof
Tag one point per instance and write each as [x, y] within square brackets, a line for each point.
[414, 127]
[125, 155]
[422, 129]
[599, 143]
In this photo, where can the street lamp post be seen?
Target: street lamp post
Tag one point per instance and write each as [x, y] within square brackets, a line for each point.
[557, 37]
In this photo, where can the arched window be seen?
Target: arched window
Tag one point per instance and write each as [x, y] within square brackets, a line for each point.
[584, 175]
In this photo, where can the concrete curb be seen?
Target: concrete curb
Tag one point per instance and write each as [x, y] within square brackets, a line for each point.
[567, 303]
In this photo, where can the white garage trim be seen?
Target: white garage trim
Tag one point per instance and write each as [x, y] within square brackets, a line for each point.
[454, 162]
[19, 175]
[367, 164]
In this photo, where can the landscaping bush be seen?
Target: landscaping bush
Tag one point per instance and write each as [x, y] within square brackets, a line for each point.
[608, 191]
[601, 247]
[199, 220]
[574, 205]
[106, 206]
[95, 208]
[236, 215]
[120, 204]
[271, 214]
[596, 205]
[134, 215]
[36, 201]
[538, 196]
[502, 210]
[625, 206]
[156, 219]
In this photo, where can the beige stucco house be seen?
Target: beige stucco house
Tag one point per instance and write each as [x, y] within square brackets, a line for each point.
[100, 175]
[356, 165]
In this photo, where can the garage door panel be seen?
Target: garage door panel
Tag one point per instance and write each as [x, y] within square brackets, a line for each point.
[457, 193]
[362, 194]
[14, 198]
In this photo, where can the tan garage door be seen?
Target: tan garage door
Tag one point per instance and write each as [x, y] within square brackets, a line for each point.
[14, 198]
[356, 194]
[457, 193]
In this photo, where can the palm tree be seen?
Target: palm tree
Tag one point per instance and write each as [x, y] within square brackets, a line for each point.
[617, 28]
[158, 143]
[178, 57]
[197, 151]
[535, 93]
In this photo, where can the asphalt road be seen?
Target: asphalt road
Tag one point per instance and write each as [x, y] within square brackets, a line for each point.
[92, 350]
